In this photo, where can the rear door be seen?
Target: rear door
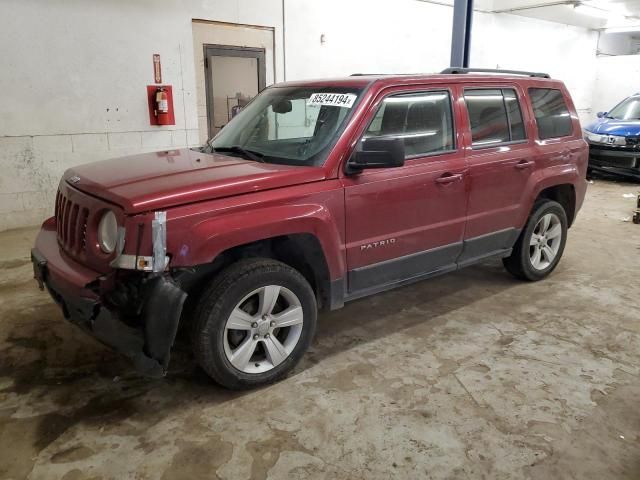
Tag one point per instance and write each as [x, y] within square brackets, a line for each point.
[500, 165]
[406, 222]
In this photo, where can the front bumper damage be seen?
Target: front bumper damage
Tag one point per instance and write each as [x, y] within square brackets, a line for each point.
[147, 342]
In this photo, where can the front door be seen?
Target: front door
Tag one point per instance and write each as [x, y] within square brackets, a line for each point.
[500, 165]
[233, 76]
[407, 222]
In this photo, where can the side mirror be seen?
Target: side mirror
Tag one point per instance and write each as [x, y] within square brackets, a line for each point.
[601, 114]
[377, 153]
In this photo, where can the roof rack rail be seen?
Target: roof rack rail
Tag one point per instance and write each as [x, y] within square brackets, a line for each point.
[381, 74]
[456, 70]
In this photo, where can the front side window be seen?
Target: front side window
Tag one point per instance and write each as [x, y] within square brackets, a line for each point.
[288, 125]
[495, 116]
[551, 112]
[423, 120]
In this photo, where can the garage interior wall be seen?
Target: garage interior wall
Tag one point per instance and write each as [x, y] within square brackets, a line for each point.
[74, 77]
[622, 71]
[415, 36]
[74, 80]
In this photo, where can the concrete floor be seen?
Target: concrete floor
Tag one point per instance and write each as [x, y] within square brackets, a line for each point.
[471, 375]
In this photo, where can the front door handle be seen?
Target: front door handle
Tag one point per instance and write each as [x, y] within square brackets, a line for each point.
[448, 178]
[522, 164]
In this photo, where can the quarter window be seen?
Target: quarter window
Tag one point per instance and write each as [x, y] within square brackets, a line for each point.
[551, 112]
[424, 120]
[495, 116]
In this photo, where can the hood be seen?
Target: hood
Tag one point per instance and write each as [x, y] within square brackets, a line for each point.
[152, 181]
[611, 126]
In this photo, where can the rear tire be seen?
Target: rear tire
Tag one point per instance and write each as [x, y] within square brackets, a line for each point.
[254, 323]
[541, 244]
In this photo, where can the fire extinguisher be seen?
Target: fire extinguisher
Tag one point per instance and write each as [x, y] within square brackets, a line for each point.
[162, 104]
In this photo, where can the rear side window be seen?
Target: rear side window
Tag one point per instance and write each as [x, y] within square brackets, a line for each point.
[551, 112]
[495, 116]
[424, 120]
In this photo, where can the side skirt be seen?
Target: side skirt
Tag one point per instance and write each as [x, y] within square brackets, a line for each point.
[371, 277]
[490, 245]
[409, 269]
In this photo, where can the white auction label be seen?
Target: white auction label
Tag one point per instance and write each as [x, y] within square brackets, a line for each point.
[332, 99]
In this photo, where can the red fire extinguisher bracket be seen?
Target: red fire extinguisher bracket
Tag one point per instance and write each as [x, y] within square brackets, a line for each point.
[160, 100]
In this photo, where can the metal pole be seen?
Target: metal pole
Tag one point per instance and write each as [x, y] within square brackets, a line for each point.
[461, 33]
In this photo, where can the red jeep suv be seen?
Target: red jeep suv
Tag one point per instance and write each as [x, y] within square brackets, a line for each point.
[317, 193]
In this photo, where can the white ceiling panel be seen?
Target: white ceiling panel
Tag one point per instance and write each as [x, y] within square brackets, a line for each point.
[595, 14]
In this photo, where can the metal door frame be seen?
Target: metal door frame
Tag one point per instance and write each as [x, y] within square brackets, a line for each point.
[230, 51]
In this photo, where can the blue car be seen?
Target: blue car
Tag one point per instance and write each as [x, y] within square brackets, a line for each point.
[614, 139]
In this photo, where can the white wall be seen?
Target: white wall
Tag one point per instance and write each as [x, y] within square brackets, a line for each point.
[565, 52]
[413, 36]
[616, 78]
[73, 82]
[365, 36]
[74, 73]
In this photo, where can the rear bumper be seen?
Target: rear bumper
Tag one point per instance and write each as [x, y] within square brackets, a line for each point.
[75, 289]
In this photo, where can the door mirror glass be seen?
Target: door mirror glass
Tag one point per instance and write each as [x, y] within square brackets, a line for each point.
[377, 153]
[601, 114]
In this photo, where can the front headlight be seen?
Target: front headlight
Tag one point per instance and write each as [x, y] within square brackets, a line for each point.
[108, 232]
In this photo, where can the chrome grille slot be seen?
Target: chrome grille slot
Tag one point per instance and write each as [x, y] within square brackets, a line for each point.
[65, 220]
[71, 224]
[82, 230]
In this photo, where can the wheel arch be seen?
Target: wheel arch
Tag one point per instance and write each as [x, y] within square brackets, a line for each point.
[565, 195]
[302, 251]
[558, 183]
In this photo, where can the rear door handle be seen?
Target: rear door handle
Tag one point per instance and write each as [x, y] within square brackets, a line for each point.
[449, 178]
[522, 164]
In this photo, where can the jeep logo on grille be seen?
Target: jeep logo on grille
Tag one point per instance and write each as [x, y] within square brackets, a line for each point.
[75, 179]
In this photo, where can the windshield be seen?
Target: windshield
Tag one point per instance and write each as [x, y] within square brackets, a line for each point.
[288, 125]
[629, 109]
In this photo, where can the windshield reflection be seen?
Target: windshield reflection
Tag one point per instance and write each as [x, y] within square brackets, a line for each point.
[289, 125]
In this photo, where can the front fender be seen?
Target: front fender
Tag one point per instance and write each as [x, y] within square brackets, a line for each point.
[210, 237]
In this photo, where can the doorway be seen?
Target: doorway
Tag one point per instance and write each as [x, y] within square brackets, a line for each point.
[230, 59]
[233, 76]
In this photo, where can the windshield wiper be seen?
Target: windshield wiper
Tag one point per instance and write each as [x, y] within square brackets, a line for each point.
[250, 154]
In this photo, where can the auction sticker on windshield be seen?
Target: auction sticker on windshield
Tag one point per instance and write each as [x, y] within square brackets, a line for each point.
[332, 99]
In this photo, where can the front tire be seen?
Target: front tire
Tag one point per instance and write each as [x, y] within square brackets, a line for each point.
[541, 244]
[254, 323]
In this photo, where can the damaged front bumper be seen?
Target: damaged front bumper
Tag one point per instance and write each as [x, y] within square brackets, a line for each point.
[148, 343]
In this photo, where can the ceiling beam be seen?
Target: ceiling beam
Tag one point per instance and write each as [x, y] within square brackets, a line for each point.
[536, 5]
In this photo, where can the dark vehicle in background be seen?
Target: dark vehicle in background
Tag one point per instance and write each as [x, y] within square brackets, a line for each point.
[614, 140]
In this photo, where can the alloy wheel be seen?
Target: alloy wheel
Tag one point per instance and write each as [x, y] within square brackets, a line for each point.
[263, 329]
[545, 241]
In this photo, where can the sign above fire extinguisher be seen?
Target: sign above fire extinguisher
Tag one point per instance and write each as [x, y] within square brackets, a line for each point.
[157, 70]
